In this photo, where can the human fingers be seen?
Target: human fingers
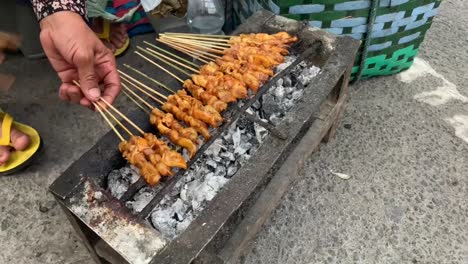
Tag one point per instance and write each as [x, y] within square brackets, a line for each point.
[84, 61]
[110, 77]
[75, 94]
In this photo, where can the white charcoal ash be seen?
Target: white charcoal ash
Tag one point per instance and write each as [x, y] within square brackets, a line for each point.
[142, 198]
[287, 91]
[207, 177]
[118, 181]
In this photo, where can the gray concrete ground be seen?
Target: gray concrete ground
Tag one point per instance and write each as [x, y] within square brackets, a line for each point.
[406, 152]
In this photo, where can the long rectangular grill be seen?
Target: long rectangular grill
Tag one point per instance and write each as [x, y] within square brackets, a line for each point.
[103, 221]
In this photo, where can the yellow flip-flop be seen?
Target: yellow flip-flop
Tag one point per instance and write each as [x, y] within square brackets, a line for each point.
[18, 159]
[105, 35]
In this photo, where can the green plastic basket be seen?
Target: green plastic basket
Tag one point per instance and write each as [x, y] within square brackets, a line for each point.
[391, 42]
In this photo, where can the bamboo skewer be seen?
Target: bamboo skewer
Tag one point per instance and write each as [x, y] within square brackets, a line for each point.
[123, 116]
[165, 61]
[109, 122]
[142, 90]
[135, 101]
[99, 105]
[179, 63]
[128, 77]
[170, 53]
[172, 60]
[192, 45]
[197, 35]
[192, 54]
[139, 97]
[193, 50]
[149, 78]
[206, 45]
[157, 65]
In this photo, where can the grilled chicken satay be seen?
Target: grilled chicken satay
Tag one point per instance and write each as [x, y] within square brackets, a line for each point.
[169, 121]
[199, 126]
[222, 82]
[170, 157]
[202, 81]
[173, 135]
[280, 38]
[147, 170]
[207, 98]
[198, 110]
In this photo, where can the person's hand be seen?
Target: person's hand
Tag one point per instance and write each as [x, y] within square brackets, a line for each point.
[77, 54]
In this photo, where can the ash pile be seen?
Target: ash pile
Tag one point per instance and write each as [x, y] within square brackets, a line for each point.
[220, 162]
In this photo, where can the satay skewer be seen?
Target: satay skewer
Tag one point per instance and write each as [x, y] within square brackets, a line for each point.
[149, 78]
[141, 90]
[196, 54]
[110, 123]
[123, 116]
[171, 54]
[136, 102]
[157, 65]
[214, 39]
[165, 61]
[130, 79]
[172, 60]
[185, 48]
[206, 45]
[197, 35]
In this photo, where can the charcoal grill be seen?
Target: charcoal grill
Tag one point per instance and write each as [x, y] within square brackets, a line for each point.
[112, 233]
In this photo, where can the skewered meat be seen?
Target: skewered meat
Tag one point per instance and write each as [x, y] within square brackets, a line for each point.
[169, 121]
[174, 135]
[202, 81]
[207, 98]
[199, 126]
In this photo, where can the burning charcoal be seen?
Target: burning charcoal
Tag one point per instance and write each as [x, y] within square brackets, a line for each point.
[308, 74]
[236, 138]
[279, 93]
[212, 164]
[269, 104]
[288, 60]
[220, 171]
[163, 221]
[260, 133]
[257, 105]
[215, 147]
[196, 205]
[297, 95]
[231, 171]
[279, 82]
[215, 183]
[118, 181]
[184, 224]
[179, 210]
[243, 148]
[287, 81]
[141, 199]
[228, 155]
[244, 158]
[275, 120]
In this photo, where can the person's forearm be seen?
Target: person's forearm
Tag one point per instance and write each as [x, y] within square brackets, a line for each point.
[44, 8]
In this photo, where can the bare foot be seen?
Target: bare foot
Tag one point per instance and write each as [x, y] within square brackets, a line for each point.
[118, 34]
[19, 141]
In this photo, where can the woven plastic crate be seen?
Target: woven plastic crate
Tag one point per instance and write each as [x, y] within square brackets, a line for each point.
[397, 27]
